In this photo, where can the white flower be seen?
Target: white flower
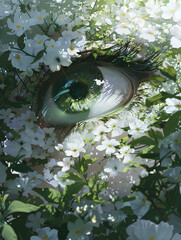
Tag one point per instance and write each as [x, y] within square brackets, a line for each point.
[176, 237]
[46, 234]
[108, 145]
[74, 148]
[113, 167]
[149, 33]
[79, 230]
[19, 185]
[176, 142]
[174, 105]
[59, 147]
[5, 10]
[61, 19]
[27, 119]
[3, 174]
[173, 174]
[176, 222]
[20, 23]
[52, 163]
[35, 178]
[171, 10]
[19, 60]
[6, 115]
[35, 45]
[12, 148]
[66, 164]
[137, 128]
[176, 36]
[37, 17]
[47, 174]
[113, 126]
[34, 221]
[37, 136]
[55, 57]
[125, 154]
[140, 205]
[145, 229]
[59, 181]
[100, 132]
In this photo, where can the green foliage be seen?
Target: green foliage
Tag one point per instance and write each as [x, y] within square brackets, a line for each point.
[49, 194]
[173, 123]
[17, 206]
[20, 42]
[8, 233]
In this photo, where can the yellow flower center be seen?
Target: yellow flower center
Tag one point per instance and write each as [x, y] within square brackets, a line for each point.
[152, 238]
[77, 232]
[37, 221]
[74, 150]
[52, 46]
[17, 56]
[18, 26]
[45, 237]
[39, 42]
[71, 47]
[123, 14]
[178, 105]
[39, 18]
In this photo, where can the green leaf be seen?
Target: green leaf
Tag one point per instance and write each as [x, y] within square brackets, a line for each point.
[156, 80]
[38, 56]
[20, 41]
[21, 168]
[173, 124]
[70, 191]
[8, 233]
[142, 141]
[4, 59]
[160, 98]
[49, 194]
[87, 156]
[17, 206]
[72, 176]
[169, 72]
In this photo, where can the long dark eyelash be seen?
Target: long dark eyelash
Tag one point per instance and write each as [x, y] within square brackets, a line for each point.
[127, 56]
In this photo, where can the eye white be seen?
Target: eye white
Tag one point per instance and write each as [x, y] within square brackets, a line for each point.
[117, 91]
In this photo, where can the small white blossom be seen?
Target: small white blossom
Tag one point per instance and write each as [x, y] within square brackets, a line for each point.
[34, 221]
[140, 205]
[113, 167]
[79, 230]
[46, 234]
[108, 145]
[173, 105]
[74, 148]
[65, 164]
[59, 181]
[6, 115]
[176, 36]
[125, 154]
[145, 229]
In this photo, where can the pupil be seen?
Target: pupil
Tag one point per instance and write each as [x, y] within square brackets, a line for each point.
[78, 90]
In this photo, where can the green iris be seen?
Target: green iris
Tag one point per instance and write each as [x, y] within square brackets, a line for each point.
[76, 90]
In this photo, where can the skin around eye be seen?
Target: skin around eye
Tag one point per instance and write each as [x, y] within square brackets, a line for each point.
[86, 91]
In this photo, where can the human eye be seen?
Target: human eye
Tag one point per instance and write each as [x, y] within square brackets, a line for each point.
[93, 87]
